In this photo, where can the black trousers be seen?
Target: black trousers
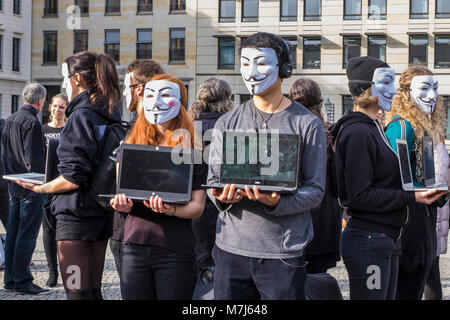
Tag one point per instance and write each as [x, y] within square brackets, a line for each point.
[4, 208]
[433, 286]
[48, 239]
[410, 286]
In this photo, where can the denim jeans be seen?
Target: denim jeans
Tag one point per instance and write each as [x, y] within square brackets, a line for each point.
[156, 273]
[24, 221]
[372, 261]
[243, 278]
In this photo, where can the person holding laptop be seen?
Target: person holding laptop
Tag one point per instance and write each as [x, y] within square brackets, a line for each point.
[261, 236]
[138, 73]
[82, 226]
[158, 257]
[369, 184]
[418, 111]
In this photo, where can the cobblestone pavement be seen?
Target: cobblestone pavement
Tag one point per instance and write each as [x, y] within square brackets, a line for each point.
[111, 288]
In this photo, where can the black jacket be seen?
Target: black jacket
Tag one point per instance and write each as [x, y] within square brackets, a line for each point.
[78, 145]
[22, 147]
[368, 176]
[3, 183]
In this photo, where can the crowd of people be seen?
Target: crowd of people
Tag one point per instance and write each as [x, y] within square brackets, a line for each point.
[242, 243]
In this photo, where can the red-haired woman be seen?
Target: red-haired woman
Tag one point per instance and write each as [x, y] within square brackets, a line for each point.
[158, 260]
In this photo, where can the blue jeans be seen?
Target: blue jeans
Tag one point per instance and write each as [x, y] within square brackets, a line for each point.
[155, 273]
[372, 261]
[24, 221]
[243, 278]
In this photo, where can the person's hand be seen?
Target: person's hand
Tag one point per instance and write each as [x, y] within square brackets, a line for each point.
[121, 203]
[157, 204]
[228, 194]
[28, 185]
[270, 199]
[429, 196]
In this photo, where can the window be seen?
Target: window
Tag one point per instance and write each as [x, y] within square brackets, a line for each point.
[177, 5]
[145, 6]
[292, 42]
[1, 8]
[311, 53]
[80, 40]
[112, 44]
[51, 7]
[418, 46]
[347, 103]
[312, 10]
[377, 9]
[16, 55]
[1, 52]
[352, 48]
[244, 98]
[14, 103]
[227, 10]
[377, 47]
[144, 44]
[226, 53]
[50, 46]
[288, 10]
[418, 9]
[442, 51]
[16, 7]
[84, 6]
[352, 9]
[250, 10]
[112, 6]
[442, 9]
[177, 45]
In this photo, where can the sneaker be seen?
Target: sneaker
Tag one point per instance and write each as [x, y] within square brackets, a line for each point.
[33, 290]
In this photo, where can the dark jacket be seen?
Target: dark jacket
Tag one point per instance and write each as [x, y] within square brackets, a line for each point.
[324, 249]
[368, 176]
[23, 147]
[78, 145]
[205, 227]
[3, 183]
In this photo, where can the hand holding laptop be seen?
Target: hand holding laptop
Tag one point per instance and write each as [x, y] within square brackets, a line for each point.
[228, 194]
[270, 199]
[430, 196]
[157, 204]
[28, 185]
[121, 203]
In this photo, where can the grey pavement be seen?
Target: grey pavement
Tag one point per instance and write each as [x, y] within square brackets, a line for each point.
[111, 288]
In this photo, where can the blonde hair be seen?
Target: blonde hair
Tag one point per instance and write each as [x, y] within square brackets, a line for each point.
[423, 124]
[365, 100]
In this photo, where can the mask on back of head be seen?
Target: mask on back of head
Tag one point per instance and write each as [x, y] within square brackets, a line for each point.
[66, 81]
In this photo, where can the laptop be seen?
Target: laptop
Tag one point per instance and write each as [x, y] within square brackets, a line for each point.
[51, 167]
[269, 161]
[428, 165]
[405, 170]
[146, 171]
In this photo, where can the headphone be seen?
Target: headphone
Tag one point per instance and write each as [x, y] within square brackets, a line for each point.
[285, 70]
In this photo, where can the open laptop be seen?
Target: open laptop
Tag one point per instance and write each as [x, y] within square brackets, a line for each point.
[406, 173]
[51, 167]
[250, 158]
[146, 171]
[428, 165]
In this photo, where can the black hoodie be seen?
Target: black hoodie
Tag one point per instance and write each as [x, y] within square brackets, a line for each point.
[368, 176]
[78, 145]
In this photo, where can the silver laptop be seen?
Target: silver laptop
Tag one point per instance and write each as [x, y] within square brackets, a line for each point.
[428, 165]
[51, 167]
[146, 171]
[406, 173]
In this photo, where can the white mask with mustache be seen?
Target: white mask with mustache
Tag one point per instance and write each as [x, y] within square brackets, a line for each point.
[424, 92]
[162, 101]
[66, 82]
[383, 87]
[127, 90]
[259, 69]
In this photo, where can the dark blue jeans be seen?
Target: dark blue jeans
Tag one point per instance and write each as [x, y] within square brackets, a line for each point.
[372, 261]
[24, 221]
[243, 278]
[156, 273]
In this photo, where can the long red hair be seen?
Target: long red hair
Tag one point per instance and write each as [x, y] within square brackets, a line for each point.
[145, 133]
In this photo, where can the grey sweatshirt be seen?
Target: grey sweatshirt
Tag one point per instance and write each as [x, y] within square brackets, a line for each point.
[252, 229]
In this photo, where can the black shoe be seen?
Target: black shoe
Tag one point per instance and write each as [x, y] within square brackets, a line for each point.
[52, 279]
[8, 289]
[33, 290]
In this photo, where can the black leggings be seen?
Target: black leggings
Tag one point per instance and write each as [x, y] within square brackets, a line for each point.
[82, 264]
[433, 286]
[48, 239]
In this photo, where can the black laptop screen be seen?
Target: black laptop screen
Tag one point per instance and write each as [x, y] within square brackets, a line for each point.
[153, 171]
[428, 158]
[250, 158]
[404, 162]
